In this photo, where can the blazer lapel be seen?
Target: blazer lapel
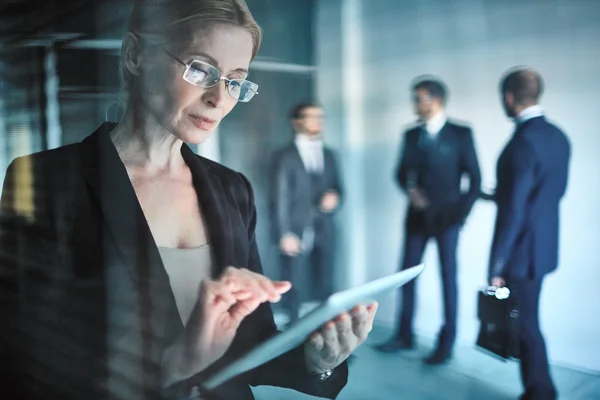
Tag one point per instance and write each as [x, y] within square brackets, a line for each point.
[445, 140]
[134, 245]
[215, 210]
[298, 159]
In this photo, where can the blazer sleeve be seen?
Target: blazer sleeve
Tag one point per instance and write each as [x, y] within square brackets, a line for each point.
[289, 370]
[9, 288]
[15, 233]
[280, 197]
[405, 174]
[516, 186]
[338, 185]
[470, 166]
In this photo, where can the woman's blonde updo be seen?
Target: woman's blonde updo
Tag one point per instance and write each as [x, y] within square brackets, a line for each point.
[171, 22]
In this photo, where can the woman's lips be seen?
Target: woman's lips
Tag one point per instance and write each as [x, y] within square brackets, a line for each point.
[206, 124]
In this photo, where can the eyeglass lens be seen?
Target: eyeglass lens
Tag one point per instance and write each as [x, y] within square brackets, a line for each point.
[204, 75]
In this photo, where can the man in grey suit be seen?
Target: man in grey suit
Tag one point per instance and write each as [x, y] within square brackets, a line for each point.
[305, 193]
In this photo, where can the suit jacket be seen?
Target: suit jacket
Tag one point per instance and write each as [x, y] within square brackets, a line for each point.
[532, 174]
[293, 202]
[87, 306]
[437, 166]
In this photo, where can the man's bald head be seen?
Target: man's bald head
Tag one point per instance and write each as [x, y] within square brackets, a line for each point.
[525, 85]
[521, 88]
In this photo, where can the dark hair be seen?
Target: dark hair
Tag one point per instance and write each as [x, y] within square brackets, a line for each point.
[298, 109]
[434, 87]
[525, 84]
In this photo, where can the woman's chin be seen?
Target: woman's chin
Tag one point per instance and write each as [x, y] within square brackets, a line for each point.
[196, 136]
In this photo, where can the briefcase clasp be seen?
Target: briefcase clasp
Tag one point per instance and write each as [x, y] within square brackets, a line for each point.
[499, 293]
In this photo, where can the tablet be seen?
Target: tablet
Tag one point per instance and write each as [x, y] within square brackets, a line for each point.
[299, 332]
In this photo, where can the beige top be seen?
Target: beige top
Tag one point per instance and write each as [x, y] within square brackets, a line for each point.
[186, 269]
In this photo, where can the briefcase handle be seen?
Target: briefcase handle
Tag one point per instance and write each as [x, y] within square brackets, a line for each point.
[500, 293]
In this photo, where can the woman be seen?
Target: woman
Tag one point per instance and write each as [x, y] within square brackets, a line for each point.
[136, 274]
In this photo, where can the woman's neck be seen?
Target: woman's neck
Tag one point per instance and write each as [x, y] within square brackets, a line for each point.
[144, 144]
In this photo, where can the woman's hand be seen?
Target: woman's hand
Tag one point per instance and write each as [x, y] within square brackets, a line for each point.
[221, 307]
[333, 344]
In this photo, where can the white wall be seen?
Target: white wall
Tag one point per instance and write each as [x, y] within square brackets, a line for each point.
[469, 44]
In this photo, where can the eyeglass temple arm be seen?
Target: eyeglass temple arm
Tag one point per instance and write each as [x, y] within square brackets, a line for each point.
[174, 58]
[162, 48]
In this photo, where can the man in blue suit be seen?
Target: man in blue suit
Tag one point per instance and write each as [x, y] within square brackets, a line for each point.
[436, 155]
[532, 174]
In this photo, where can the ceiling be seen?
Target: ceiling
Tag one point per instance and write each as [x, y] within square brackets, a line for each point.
[33, 22]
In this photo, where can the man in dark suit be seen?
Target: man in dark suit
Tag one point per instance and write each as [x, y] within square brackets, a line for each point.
[305, 192]
[435, 157]
[532, 174]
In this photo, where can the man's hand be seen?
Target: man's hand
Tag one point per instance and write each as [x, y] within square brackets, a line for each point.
[418, 198]
[333, 344]
[498, 282]
[290, 245]
[329, 202]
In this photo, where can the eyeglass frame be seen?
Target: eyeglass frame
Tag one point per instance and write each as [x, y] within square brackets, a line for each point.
[221, 78]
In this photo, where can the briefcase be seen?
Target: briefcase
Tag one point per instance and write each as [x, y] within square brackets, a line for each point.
[498, 313]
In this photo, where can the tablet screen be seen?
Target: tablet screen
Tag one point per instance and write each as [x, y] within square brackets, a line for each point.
[299, 332]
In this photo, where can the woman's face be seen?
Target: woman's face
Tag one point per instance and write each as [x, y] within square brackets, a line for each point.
[189, 112]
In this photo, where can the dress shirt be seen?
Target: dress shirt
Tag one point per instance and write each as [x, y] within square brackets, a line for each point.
[311, 152]
[529, 113]
[435, 124]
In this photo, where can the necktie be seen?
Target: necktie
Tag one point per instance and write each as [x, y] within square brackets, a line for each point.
[425, 138]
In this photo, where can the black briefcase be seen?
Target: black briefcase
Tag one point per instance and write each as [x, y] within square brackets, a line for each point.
[498, 313]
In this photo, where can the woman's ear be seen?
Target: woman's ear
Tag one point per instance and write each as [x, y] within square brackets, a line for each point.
[131, 54]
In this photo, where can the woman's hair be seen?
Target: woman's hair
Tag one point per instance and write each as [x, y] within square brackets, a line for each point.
[172, 21]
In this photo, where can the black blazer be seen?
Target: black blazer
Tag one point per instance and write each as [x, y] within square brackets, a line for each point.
[293, 201]
[437, 167]
[84, 292]
[532, 175]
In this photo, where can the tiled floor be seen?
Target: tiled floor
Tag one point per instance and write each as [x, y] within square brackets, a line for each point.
[471, 375]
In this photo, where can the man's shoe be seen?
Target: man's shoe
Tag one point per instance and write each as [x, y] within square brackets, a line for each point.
[394, 345]
[537, 394]
[438, 358]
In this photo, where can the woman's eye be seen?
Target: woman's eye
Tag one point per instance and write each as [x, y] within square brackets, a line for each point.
[197, 74]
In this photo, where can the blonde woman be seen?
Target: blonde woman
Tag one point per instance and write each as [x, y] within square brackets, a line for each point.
[138, 275]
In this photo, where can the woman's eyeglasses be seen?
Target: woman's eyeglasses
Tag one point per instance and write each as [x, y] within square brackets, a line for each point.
[204, 75]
